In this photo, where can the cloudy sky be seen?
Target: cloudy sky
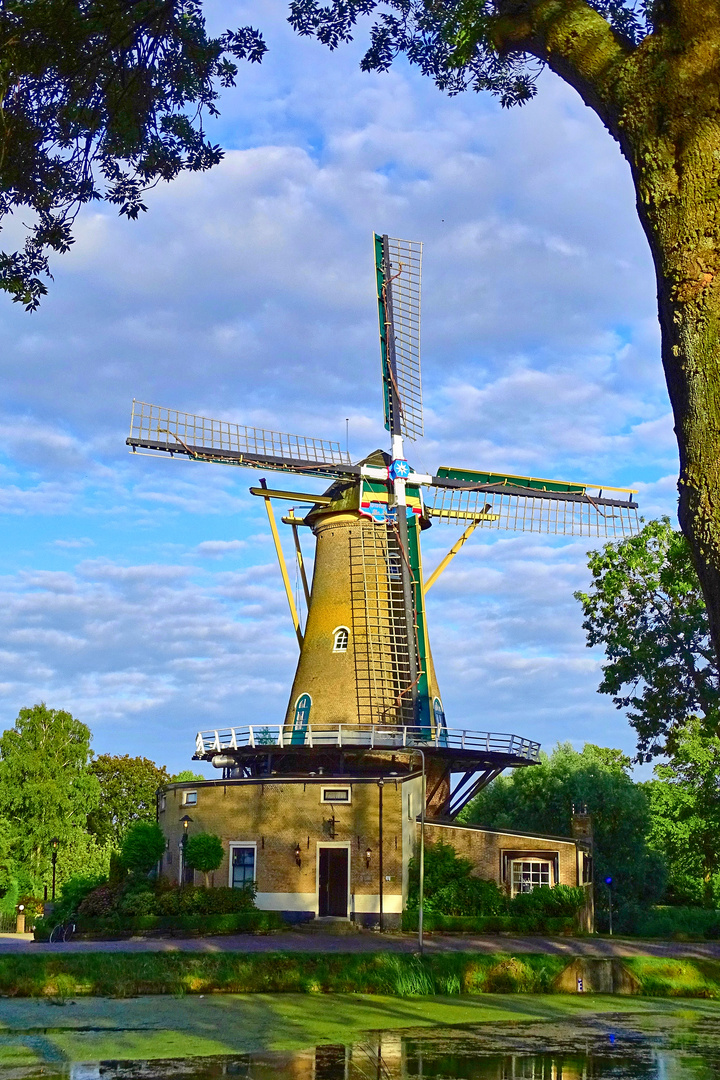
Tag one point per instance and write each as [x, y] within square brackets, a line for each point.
[142, 594]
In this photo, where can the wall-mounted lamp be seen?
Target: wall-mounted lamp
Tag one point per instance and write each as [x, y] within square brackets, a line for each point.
[298, 857]
[368, 853]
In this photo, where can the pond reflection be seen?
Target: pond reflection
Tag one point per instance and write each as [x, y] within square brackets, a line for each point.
[584, 1051]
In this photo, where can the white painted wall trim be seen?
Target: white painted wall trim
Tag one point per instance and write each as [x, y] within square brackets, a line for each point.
[369, 903]
[286, 901]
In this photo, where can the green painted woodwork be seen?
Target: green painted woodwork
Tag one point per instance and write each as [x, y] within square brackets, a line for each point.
[382, 317]
[474, 477]
[423, 705]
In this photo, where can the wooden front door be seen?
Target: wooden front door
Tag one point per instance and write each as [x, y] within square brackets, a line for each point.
[333, 898]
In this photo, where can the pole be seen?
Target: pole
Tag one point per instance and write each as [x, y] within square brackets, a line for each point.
[283, 567]
[610, 906]
[301, 564]
[421, 889]
[54, 862]
[381, 784]
[451, 554]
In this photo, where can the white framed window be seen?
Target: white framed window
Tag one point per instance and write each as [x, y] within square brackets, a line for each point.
[528, 874]
[190, 798]
[335, 795]
[242, 870]
[341, 637]
[162, 804]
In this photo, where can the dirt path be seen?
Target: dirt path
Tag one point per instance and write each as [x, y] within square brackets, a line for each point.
[305, 941]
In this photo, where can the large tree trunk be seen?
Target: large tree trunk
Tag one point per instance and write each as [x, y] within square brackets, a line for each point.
[661, 102]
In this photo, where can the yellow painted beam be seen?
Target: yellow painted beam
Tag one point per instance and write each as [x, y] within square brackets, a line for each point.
[453, 552]
[281, 560]
[301, 564]
[293, 496]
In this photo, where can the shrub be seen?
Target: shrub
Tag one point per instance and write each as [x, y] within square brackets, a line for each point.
[204, 852]
[142, 847]
[545, 902]
[138, 902]
[450, 886]
[191, 900]
[101, 901]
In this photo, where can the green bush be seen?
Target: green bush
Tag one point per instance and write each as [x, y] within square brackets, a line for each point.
[125, 925]
[450, 886]
[204, 852]
[193, 900]
[142, 847]
[72, 894]
[545, 902]
[488, 924]
[451, 889]
[669, 922]
[102, 901]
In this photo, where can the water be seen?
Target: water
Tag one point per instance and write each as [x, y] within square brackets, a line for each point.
[622, 1047]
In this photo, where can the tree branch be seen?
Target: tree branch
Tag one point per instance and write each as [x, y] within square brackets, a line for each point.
[575, 41]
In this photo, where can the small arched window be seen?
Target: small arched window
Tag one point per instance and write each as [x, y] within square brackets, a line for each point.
[340, 639]
[440, 722]
[300, 721]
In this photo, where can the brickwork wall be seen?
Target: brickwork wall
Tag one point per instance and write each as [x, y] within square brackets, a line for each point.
[278, 815]
[485, 848]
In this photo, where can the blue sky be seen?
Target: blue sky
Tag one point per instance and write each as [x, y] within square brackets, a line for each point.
[143, 594]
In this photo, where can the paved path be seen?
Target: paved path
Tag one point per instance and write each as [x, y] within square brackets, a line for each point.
[299, 941]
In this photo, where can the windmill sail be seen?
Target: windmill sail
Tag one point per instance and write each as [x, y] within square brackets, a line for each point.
[398, 266]
[161, 430]
[528, 504]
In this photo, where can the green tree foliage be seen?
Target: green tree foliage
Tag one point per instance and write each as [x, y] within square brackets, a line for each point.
[685, 816]
[645, 607]
[204, 852]
[46, 787]
[142, 847]
[101, 100]
[540, 799]
[186, 776]
[450, 887]
[128, 787]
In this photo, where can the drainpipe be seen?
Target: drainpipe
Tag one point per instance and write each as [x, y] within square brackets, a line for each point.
[381, 784]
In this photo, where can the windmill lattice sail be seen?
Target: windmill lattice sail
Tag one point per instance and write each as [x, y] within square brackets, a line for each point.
[155, 428]
[405, 272]
[560, 513]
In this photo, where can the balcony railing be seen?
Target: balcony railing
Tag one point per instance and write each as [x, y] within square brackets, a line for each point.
[369, 736]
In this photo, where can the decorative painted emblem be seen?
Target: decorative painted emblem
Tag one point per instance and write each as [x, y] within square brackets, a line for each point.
[399, 469]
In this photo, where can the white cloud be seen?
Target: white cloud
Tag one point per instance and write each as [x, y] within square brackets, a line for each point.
[216, 549]
[247, 293]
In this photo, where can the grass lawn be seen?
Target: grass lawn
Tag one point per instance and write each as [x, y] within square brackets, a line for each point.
[92, 1029]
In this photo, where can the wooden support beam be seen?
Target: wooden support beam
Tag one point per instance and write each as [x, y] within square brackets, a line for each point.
[281, 559]
[301, 564]
[452, 553]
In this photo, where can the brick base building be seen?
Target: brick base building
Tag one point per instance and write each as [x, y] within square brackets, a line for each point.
[339, 846]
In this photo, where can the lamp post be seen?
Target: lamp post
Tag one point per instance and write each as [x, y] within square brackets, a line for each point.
[185, 821]
[55, 844]
[609, 883]
[421, 889]
[381, 785]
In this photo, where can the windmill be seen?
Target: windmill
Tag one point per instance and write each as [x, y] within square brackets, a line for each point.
[365, 670]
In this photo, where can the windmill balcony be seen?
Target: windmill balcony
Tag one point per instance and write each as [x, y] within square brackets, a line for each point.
[455, 741]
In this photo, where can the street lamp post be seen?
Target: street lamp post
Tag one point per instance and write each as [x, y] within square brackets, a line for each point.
[609, 883]
[55, 844]
[185, 821]
[381, 784]
[421, 889]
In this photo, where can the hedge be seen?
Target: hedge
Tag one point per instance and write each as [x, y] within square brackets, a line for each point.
[490, 924]
[115, 926]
